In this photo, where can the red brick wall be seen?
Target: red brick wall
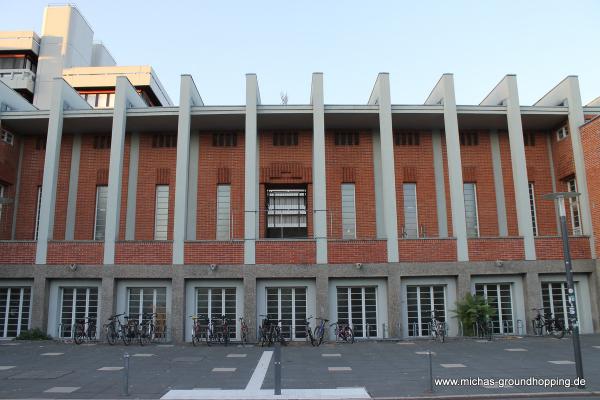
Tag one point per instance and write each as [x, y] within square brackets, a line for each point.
[414, 164]
[75, 253]
[214, 252]
[509, 186]
[17, 252]
[590, 140]
[9, 159]
[355, 251]
[425, 250]
[491, 249]
[147, 252]
[212, 159]
[62, 188]
[31, 177]
[551, 248]
[360, 160]
[285, 252]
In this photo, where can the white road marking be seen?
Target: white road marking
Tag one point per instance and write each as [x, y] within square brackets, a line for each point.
[453, 365]
[224, 369]
[62, 389]
[110, 369]
[516, 349]
[482, 341]
[286, 394]
[596, 347]
[561, 362]
[425, 353]
[165, 345]
[236, 355]
[5, 367]
[143, 355]
[9, 344]
[405, 343]
[52, 354]
[339, 369]
[331, 355]
[258, 376]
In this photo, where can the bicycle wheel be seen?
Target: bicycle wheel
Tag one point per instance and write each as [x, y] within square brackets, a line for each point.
[126, 336]
[111, 335]
[226, 336]
[148, 332]
[208, 337]
[349, 335]
[244, 337]
[538, 327]
[79, 336]
[442, 332]
[309, 337]
[195, 336]
[558, 330]
[320, 335]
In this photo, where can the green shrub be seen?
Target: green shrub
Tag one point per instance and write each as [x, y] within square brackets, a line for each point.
[33, 334]
[470, 309]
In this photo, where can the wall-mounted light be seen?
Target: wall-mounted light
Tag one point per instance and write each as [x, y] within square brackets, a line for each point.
[213, 267]
[73, 267]
[358, 265]
[499, 263]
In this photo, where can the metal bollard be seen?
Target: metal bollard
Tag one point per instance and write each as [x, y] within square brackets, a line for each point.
[277, 365]
[126, 375]
[430, 372]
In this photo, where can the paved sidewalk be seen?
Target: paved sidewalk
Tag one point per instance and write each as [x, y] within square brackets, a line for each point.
[384, 369]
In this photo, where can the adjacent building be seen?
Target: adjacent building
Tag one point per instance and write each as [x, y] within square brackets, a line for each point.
[114, 200]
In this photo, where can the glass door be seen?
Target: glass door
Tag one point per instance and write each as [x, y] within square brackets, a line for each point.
[15, 304]
[421, 301]
[216, 302]
[357, 306]
[288, 304]
[499, 296]
[77, 303]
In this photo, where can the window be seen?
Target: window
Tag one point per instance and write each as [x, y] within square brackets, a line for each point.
[470, 193]
[77, 303]
[161, 219]
[411, 215]
[532, 207]
[288, 305]
[421, 301]
[562, 133]
[38, 208]
[286, 212]
[40, 143]
[7, 136]
[101, 200]
[574, 208]
[529, 138]
[2, 190]
[144, 301]
[15, 303]
[406, 138]
[164, 140]
[216, 302]
[555, 300]
[224, 139]
[469, 138]
[99, 100]
[348, 211]
[285, 138]
[346, 138]
[499, 297]
[102, 141]
[223, 212]
[357, 306]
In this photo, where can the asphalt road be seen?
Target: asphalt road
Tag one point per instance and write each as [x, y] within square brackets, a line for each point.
[384, 369]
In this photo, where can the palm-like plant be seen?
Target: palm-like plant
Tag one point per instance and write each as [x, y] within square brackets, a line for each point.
[470, 310]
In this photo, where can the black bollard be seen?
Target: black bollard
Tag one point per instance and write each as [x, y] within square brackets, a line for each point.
[126, 375]
[277, 365]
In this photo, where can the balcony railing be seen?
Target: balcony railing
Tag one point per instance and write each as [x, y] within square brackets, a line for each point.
[18, 78]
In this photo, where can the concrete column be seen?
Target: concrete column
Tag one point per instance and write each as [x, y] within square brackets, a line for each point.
[379, 219]
[553, 177]
[533, 298]
[125, 97]
[73, 184]
[394, 304]
[318, 175]
[250, 303]
[107, 299]
[463, 285]
[322, 283]
[251, 171]
[192, 202]
[440, 185]
[134, 156]
[52, 159]
[39, 300]
[13, 232]
[188, 97]
[178, 313]
[519, 167]
[381, 97]
[498, 183]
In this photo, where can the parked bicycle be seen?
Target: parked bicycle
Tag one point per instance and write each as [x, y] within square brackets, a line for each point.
[224, 334]
[437, 328]
[548, 324]
[308, 333]
[484, 328]
[85, 329]
[115, 330]
[320, 329]
[145, 332]
[244, 333]
[343, 332]
[270, 332]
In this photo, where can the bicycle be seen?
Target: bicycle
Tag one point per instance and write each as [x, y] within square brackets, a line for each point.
[243, 331]
[85, 329]
[196, 330]
[320, 330]
[437, 328]
[116, 330]
[209, 336]
[485, 328]
[277, 333]
[343, 332]
[146, 329]
[224, 330]
[308, 333]
[547, 322]
[265, 331]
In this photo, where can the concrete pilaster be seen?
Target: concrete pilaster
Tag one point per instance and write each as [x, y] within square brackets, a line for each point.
[463, 286]
[73, 185]
[192, 202]
[134, 155]
[178, 312]
[440, 185]
[394, 327]
[533, 299]
[13, 232]
[251, 171]
[318, 175]
[322, 284]
[39, 301]
[498, 183]
[250, 304]
[107, 299]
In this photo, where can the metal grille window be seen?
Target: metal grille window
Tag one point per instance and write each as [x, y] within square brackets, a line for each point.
[216, 302]
[472, 220]
[348, 211]
[357, 306]
[37, 212]
[285, 138]
[532, 207]
[77, 303]
[40, 143]
[554, 299]
[350, 138]
[161, 213]
[411, 215]
[406, 138]
[164, 140]
[574, 208]
[2, 190]
[499, 296]
[143, 301]
[7, 136]
[288, 304]
[99, 100]
[562, 133]
[421, 300]
[223, 212]
[15, 308]
[224, 139]
[529, 138]
[102, 141]
[286, 213]
[100, 222]
[469, 138]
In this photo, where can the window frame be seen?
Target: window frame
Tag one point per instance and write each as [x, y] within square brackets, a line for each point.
[574, 205]
[302, 212]
[99, 188]
[353, 234]
[564, 135]
[533, 208]
[416, 205]
[476, 209]
[158, 235]
[218, 210]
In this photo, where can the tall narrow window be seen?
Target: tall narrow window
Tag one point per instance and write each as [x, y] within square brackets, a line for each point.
[286, 213]
[574, 207]
[532, 206]
[223, 212]
[161, 214]
[411, 216]
[470, 194]
[100, 224]
[1, 197]
[37, 212]
[348, 211]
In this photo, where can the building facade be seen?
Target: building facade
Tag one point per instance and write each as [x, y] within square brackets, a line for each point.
[113, 200]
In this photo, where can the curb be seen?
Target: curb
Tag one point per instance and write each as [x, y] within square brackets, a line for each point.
[495, 396]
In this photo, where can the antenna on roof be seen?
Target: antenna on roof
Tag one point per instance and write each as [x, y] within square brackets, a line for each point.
[284, 98]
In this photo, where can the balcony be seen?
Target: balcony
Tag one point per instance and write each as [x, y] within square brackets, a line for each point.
[18, 79]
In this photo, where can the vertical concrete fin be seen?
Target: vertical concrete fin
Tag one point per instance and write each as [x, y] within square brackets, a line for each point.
[134, 156]
[440, 185]
[73, 185]
[13, 233]
[251, 170]
[319, 176]
[498, 183]
[192, 202]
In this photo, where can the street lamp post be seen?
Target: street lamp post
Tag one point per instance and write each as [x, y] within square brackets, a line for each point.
[571, 302]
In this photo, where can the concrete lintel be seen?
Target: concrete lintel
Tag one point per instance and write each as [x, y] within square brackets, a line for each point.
[319, 176]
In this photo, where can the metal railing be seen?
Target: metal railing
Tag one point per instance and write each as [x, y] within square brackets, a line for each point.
[21, 73]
